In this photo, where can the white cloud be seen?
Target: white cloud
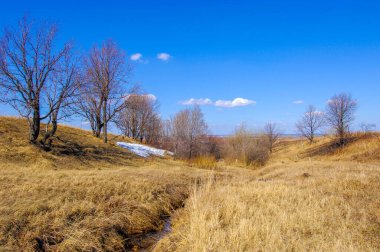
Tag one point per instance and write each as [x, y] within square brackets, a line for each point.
[151, 97]
[298, 102]
[136, 57]
[319, 112]
[201, 101]
[237, 102]
[163, 56]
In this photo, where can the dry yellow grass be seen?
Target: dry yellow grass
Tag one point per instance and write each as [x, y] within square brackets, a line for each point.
[89, 196]
[72, 148]
[69, 210]
[205, 162]
[360, 147]
[321, 206]
[309, 198]
[84, 195]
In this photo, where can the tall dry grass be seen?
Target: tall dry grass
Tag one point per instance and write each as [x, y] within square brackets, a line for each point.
[87, 210]
[360, 147]
[88, 196]
[83, 195]
[298, 207]
[204, 162]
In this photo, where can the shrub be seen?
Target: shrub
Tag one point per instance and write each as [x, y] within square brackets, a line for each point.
[246, 147]
[257, 153]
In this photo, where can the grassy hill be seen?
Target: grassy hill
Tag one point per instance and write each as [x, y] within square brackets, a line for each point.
[85, 195]
[72, 148]
[360, 147]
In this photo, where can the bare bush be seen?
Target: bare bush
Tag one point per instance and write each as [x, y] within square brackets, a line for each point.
[272, 134]
[340, 114]
[36, 77]
[311, 123]
[257, 153]
[246, 147]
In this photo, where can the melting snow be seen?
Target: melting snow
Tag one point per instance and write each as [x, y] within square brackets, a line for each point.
[143, 150]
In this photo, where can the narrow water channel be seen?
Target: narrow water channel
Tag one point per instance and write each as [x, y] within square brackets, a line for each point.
[147, 242]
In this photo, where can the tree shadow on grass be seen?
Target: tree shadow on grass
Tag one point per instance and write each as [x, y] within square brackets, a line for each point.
[330, 148]
[87, 152]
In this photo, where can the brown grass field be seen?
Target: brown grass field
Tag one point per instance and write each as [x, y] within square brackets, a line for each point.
[88, 196]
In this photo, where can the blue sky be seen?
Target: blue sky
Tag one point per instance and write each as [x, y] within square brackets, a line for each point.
[271, 54]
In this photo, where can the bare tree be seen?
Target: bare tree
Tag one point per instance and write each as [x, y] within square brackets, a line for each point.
[311, 123]
[153, 132]
[139, 119]
[104, 94]
[189, 131]
[89, 106]
[272, 134]
[180, 128]
[340, 114]
[60, 95]
[28, 60]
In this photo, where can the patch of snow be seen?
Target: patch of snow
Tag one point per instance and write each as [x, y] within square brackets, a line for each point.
[143, 150]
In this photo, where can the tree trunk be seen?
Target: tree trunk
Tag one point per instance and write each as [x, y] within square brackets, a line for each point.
[46, 141]
[191, 149]
[105, 122]
[34, 127]
[98, 127]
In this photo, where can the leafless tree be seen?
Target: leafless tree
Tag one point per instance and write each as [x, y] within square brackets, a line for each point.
[367, 127]
[61, 94]
[139, 119]
[189, 132]
[29, 61]
[89, 106]
[104, 94]
[311, 123]
[340, 114]
[272, 134]
[166, 134]
[153, 132]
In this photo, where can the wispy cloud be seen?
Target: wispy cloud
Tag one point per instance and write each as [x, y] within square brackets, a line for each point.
[298, 102]
[163, 56]
[136, 57]
[237, 102]
[201, 101]
[318, 113]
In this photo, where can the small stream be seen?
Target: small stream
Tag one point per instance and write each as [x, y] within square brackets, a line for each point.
[149, 240]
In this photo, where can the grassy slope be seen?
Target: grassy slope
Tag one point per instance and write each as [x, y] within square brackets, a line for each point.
[308, 198]
[360, 148]
[84, 195]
